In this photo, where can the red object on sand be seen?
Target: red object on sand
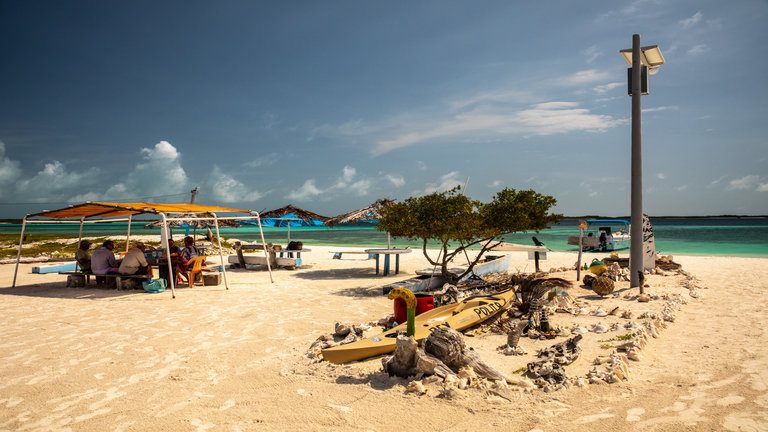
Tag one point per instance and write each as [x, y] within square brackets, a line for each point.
[424, 302]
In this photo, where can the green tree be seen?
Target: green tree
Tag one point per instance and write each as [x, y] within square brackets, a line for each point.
[453, 217]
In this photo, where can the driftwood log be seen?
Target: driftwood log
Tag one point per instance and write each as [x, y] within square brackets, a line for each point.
[409, 360]
[444, 354]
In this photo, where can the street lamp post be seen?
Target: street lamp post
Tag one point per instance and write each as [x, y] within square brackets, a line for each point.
[642, 61]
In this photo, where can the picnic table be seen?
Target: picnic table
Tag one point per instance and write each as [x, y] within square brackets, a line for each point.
[387, 252]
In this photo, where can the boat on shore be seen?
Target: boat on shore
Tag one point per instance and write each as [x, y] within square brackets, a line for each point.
[458, 316]
[603, 235]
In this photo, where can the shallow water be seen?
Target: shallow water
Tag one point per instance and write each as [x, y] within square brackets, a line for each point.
[689, 236]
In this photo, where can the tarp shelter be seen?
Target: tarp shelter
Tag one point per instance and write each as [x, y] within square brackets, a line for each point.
[365, 215]
[100, 212]
[291, 216]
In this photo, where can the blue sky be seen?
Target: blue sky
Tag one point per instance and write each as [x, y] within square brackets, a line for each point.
[331, 105]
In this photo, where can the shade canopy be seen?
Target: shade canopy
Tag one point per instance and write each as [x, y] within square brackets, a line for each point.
[370, 214]
[292, 215]
[196, 224]
[113, 209]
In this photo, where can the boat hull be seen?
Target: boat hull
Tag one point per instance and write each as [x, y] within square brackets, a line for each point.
[458, 316]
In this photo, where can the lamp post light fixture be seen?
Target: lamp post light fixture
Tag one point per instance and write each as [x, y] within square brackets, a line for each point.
[641, 59]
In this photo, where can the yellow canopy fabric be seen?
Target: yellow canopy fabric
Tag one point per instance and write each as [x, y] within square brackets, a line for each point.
[113, 209]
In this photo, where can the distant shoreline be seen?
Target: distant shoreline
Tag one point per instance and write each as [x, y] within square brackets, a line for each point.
[18, 221]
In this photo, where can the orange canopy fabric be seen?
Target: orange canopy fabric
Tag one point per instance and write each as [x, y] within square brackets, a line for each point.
[113, 209]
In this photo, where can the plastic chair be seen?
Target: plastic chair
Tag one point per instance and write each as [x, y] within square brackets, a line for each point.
[195, 268]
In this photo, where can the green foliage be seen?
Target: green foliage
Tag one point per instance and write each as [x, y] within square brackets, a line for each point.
[453, 217]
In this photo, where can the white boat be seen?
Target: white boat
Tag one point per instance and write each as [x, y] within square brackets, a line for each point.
[603, 235]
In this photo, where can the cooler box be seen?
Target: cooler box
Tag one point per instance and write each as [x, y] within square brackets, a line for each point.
[424, 302]
[211, 278]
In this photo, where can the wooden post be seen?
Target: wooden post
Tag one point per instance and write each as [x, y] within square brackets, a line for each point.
[582, 226]
[240, 257]
[536, 260]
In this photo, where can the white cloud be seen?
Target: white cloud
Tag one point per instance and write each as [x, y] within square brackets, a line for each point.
[9, 170]
[746, 182]
[54, 180]
[262, 161]
[662, 108]
[592, 53]
[306, 192]
[586, 76]
[604, 88]
[681, 188]
[692, 21]
[661, 176]
[226, 189]
[347, 183]
[445, 183]
[421, 165]
[716, 181]
[360, 187]
[160, 173]
[495, 183]
[348, 173]
[396, 179]
[547, 118]
[698, 50]
[762, 187]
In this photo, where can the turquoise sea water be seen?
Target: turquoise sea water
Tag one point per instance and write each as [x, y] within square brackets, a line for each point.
[694, 236]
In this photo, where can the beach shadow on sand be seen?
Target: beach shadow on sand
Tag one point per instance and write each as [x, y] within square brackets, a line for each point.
[377, 380]
[592, 296]
[375, 291]
[58, 290]
[350, 273]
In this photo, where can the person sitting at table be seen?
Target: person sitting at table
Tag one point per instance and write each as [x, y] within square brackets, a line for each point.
[134, 262]
[83, 257]
[188, 252]
[103, 259]
[173, 251]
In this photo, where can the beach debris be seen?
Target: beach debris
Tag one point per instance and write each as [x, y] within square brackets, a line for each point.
[547, 369]
[579, 330]
[444, 354]
[599, 312]
[588, 280]
[627, 314]
[342, 334]
[599, 328]
[534, 288]
[603, 286]
[614, 311]
[609, 370]
[644, 298]
[416, 387]
[447, 295]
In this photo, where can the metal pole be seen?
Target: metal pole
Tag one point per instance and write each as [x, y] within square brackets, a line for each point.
[18, 254]
[581, 247]
[79, 239]
[264, 245]
[171, 275]
[221, 257]
[194, 194]
[128, 236]
[636, 232]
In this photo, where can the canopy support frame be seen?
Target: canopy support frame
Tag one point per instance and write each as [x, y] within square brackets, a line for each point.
[18, 253]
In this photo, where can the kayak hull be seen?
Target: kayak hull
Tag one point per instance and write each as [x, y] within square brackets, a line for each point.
[458, 316]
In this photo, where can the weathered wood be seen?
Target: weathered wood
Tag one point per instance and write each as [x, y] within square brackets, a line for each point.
[448, 346]
[513, 337]
[409, 360]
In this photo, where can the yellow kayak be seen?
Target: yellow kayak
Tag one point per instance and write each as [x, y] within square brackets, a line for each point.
[458, 316]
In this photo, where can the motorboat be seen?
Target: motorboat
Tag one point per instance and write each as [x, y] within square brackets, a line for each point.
[603, 235]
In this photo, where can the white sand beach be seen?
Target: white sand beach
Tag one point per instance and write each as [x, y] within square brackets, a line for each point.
[234, 360]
